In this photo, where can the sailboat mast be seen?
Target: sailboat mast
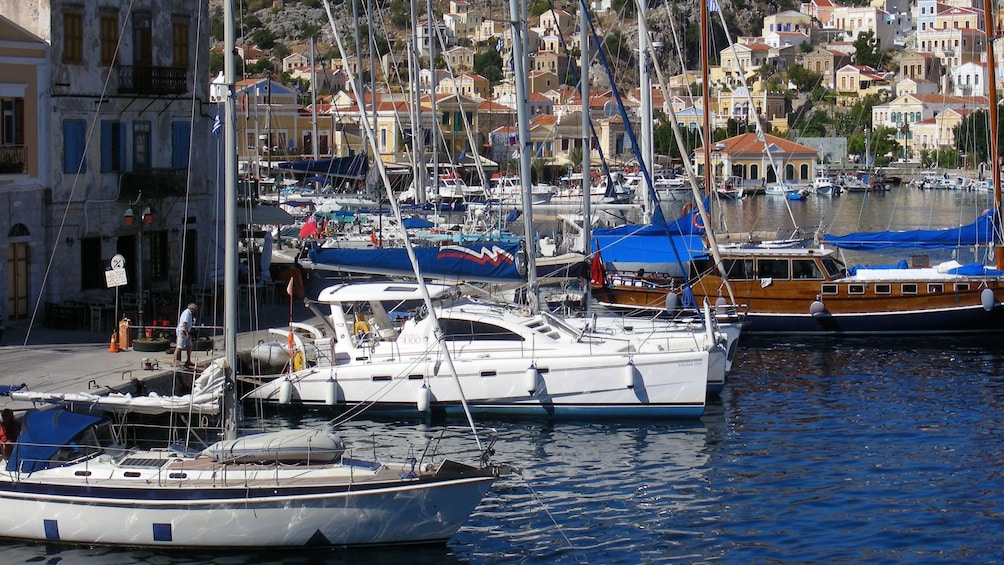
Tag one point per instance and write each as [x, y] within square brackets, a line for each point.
[988, 14]
[705, 99]
[645, 93]
[230, 225]
[525, 147]
[587, 189]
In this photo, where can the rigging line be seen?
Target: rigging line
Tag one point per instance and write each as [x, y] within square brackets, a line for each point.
[761, 134]
[407, 241]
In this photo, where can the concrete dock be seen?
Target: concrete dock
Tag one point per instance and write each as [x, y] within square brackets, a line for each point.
[50, 360]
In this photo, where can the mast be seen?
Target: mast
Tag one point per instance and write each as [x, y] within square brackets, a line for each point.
[587, 213]
[645, 86]
[230, 283]
[988, 14]
[705, 99]
[525, 147]
[314, 143]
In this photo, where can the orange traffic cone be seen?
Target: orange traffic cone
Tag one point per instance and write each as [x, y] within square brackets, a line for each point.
[113, 347]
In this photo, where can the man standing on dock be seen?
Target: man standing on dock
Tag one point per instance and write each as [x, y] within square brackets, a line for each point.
[184, 336]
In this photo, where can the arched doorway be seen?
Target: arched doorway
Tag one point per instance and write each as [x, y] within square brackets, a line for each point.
[789, 172]
[18, 264]
[754, 172]
[804, 171]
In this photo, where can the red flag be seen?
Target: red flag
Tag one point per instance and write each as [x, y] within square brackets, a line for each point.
[597, 271]
[309, 227]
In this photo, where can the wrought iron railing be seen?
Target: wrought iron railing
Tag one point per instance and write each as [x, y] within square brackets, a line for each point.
[12, 159]
[146, 79]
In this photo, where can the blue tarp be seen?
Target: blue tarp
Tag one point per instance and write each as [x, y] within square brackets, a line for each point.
[979, 232]
[640, 244]
[492, 261]
[410, 223]
[44, 433]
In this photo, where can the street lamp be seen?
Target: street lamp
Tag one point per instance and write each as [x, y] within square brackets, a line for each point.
[145, 219]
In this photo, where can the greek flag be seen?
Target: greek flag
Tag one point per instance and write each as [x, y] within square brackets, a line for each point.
[500, 44]
[713, 6]
[217, 125]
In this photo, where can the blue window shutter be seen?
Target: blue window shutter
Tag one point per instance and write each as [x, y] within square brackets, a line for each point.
[107, 146]
[180, 136]
[74, 137]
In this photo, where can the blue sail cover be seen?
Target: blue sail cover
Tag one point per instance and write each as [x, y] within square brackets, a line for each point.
[44, 433]
[647, 244]
[980, 232]
[488, 262]
[355, 166]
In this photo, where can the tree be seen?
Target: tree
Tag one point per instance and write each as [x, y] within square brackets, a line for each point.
[803, 79]
[489, 65]
[972, 134]
[867, 50]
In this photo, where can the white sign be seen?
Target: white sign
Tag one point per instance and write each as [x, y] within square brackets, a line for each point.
[118, 262]
[116, 277]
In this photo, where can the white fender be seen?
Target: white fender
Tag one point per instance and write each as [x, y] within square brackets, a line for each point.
[817, 309]
[531, 378]
[988, 299]
[331, 392]
[424, 398]
[630, 374]
[285, 391]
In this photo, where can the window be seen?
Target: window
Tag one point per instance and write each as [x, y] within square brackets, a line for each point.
[935, 288]
[961, 287]
[142, 40]
[112, 146]
[141, 145]
[109, 37]
[855, 289]
[883, 288]
[469, 330]
[73, 36]
[910, 288]
[180, 139]
[739, 269]
[829, 289]
[179, 45]
[158, 254]
[772, 268]
[805, 269]
[12, 130]
[74, 134]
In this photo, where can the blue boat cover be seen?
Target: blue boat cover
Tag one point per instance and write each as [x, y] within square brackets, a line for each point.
[355, 166]
[43, 434]
[486, 261]
[417, 223]
[980, 232]
[647, 244]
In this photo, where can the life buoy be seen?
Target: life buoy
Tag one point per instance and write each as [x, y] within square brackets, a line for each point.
[361, 327]
[698, 222]
[373, 240]
[687, 208]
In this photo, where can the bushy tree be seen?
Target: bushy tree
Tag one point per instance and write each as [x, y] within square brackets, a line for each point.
[489, 65]
[803, 79]
[867, 50]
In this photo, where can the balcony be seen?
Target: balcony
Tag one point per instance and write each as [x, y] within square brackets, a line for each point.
[12, 159]
[153, 183]
[151, 80]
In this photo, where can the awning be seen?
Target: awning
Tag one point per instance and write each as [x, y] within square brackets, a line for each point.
[266, 215]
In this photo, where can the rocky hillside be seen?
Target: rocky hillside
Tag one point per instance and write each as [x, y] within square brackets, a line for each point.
[285, 26]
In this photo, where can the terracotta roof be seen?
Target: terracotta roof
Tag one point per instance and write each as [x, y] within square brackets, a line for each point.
[749, 144]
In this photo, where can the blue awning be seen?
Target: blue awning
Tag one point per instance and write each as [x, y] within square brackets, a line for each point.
[44, 433]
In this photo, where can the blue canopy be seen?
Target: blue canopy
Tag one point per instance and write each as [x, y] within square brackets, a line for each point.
[417, 223]
[43, 434]
[980, 232]
[355, 166]
[489, 262]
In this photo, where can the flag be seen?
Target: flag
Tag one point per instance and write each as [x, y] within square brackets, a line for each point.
[597, 271]
[500, 45]
[309, 227]
[713, 6]
[217, 125]
[462, 155]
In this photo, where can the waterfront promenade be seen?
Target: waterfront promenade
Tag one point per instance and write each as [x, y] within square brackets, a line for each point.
[54, 360]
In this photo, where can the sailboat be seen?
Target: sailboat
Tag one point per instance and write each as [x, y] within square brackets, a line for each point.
[807, 289]
[70, 480]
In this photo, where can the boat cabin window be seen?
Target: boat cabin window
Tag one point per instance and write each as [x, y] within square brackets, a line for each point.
[86, 444]
[834, 268]
[961, 287]
[829, 289]
[739, 269]
[883, 288]
[935, 288]
[805, 269]
[470, 330]
[855, 289]
[772, 268]
[910, 288]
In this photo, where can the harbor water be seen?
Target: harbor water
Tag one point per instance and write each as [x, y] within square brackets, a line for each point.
[824, 450]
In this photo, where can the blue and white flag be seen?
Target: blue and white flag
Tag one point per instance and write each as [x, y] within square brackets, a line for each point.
[500, 44]
[713, 6]
[217, 125]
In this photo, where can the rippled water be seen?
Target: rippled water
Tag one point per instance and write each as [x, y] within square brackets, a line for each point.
[818, 451]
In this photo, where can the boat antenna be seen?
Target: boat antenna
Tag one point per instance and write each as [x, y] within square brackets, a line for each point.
[423, 289]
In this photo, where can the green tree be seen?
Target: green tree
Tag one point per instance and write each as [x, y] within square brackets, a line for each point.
[803, 79]
[489, 65]
[867, 50]
[263, 38]
[973, 134]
